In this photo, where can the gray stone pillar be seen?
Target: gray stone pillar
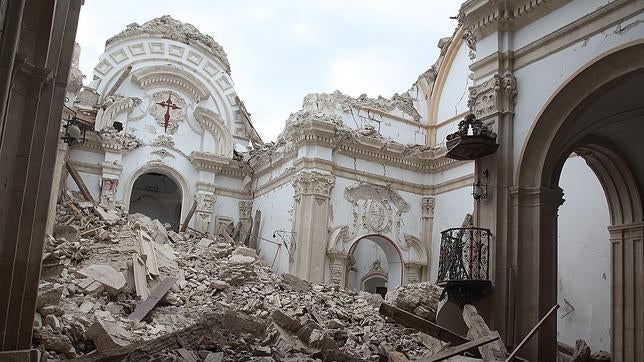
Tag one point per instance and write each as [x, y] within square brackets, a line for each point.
[535, 209]
[31, 127]
[627, 291]
[312, 193]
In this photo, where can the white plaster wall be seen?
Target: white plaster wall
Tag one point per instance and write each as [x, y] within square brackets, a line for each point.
[454, 95]
[449, 212]
[556, 20]
[539, 81]
[277, 214]
[583, 260]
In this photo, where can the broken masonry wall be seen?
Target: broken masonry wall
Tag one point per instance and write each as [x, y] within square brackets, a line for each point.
[454, 94]
[276, 204]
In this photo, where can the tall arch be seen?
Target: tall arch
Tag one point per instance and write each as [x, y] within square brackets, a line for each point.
[158, 167]
[576, 119]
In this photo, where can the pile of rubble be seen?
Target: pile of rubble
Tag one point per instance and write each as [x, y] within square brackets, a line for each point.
[113, 284]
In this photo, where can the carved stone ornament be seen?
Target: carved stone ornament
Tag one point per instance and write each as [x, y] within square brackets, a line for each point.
[177, 115]
[496, 95]
[245, 209]
[206, 203]
[163, 141]
[338, 267]
[365, 191]
[429, 203]
[313, 183]
[377, 216]
[111, 139]
[162, 152]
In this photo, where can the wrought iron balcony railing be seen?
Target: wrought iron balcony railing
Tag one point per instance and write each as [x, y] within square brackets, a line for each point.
[464, 255]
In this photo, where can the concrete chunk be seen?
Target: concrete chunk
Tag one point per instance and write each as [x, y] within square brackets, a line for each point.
[110, 278]
[108, 335]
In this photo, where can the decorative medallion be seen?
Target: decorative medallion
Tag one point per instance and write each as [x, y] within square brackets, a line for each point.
[377, 216]
[168, 109]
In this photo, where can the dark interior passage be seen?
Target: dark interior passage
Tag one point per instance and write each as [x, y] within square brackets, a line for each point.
[158, 197]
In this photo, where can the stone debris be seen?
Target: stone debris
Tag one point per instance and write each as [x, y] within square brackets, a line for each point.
[83, 311]
[212, 300]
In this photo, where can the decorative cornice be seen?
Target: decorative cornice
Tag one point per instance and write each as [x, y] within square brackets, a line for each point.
[313, 183]
[483, 17]
[204, 161]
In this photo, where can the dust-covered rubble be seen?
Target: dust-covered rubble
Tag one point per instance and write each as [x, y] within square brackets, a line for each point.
[110, 262]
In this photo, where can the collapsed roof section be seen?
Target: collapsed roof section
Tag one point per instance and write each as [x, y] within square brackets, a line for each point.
[170, 28]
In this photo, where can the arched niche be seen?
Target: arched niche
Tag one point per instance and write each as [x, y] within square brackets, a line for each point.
[392, 254]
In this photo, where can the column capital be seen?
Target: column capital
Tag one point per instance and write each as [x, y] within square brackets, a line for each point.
[313, 183]
[245, 209]
[428, 205]
[496, 95]
[536, 196]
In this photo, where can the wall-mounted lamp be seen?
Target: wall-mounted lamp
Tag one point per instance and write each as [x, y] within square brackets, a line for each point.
[479, 188]
[74, 131]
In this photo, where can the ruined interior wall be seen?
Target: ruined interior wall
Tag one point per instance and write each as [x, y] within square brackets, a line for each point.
[454, 95]
[276, 206]
[583, 255]
[450, 210]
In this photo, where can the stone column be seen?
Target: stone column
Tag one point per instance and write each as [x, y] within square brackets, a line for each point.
[338, 266]
[245, 221]
[427, 224]
[59, 177]
[312, 193]
[31, 127]
[493, 102]
[535, 250]
[627, 290]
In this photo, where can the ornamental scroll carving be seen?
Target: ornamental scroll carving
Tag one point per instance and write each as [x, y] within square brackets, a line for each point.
[313, 183]
[176, 115]
[206, 202]
[496, 95]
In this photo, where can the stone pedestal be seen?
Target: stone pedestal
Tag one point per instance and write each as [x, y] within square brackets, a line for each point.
[338, 266]
[312, 192]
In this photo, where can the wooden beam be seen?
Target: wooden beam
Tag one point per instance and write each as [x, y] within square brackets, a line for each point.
[413, 321]
[532, 332]
[143, 308]
[79, 182]
[461, 348]
[119, 81]
[184, 226]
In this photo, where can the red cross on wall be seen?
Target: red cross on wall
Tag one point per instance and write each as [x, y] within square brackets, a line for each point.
[167, 104]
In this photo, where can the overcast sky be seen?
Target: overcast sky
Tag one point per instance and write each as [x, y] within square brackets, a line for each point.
[281, 50]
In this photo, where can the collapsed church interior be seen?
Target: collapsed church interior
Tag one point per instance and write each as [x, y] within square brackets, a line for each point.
[144, 217]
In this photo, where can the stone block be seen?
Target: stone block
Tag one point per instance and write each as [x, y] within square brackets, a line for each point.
[49, 294]
[112, 280]
[108, 334]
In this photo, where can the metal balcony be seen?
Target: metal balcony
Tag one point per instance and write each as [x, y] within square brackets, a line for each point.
[463, 267]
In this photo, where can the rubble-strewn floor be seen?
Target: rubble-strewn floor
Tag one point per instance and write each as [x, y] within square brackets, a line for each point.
[235, 306]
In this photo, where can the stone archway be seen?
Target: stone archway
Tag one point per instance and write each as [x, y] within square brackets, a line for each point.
[599, 116]
[364, 259]
[157, 196]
